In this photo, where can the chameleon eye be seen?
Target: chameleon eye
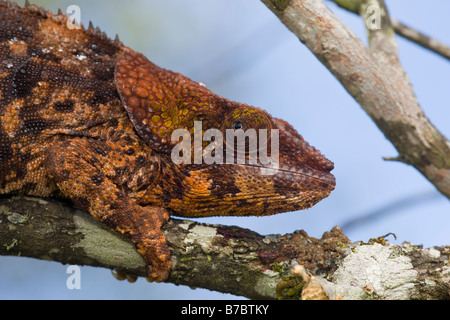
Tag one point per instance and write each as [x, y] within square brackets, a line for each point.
[251, 120]
[247, 118]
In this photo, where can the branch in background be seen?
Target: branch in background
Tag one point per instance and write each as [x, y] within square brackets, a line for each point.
[376, 81]
[230, 259]
[403, 30]
[388, 209]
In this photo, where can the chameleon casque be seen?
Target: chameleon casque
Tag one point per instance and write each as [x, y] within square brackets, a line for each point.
[86, 118]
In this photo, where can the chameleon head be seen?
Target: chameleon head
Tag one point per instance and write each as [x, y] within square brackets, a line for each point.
[297, 180]
[275, 171]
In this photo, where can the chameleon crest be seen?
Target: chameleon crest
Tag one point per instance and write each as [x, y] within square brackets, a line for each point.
[86, 118]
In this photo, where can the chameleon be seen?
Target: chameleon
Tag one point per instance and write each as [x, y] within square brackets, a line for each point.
[84, 117]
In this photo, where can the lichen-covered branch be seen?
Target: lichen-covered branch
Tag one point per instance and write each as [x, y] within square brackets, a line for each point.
[231, 259]
[226, 259]
[376, 81]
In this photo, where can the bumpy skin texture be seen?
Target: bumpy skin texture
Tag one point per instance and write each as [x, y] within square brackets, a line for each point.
[86, 118]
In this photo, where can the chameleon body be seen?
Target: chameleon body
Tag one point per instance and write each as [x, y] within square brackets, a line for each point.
[86, 118]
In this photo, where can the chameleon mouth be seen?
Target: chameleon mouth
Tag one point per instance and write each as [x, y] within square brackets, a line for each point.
[323, 177]
[296, 180]
[247, 205]
[258, 171]
[213, 190]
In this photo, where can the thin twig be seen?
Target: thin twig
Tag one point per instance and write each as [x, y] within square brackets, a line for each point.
[402, 30]
[396, 206]
[421, 39]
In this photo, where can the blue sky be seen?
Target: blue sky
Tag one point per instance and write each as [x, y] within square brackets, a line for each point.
[242, 52]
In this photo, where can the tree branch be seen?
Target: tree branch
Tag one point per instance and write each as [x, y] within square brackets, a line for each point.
[226, 259]
[403, 30]
[381, 37]
[232, 259]
[421, 39]
[376, 81]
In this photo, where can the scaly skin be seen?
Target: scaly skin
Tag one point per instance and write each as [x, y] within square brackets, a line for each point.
[87, 118]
